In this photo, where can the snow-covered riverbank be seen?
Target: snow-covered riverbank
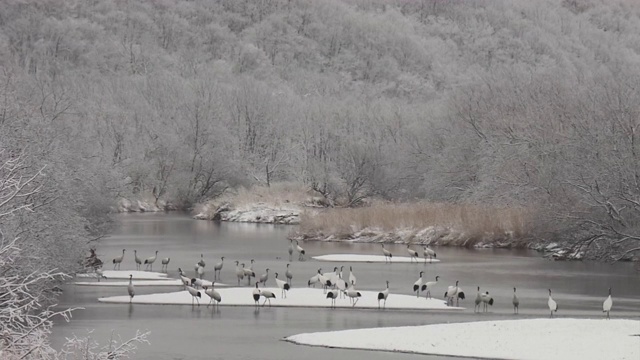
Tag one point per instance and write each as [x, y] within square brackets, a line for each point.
[142, 205]
[288, 214]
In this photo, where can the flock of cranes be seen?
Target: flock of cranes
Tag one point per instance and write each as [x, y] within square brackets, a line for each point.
[334, 285]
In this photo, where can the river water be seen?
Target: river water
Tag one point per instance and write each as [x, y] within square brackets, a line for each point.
[185, 332]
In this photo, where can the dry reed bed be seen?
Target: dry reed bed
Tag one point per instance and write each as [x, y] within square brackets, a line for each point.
[472, 220]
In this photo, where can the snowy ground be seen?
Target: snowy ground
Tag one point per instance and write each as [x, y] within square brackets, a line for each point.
[297, 297]
[369, 258]
[170, 282]
[513, 339]
[124, 274]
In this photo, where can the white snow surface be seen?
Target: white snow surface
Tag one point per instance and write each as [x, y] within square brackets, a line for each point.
[124, 274]
[168, 282]
[296, 297]
[511, 339]
[369, 258]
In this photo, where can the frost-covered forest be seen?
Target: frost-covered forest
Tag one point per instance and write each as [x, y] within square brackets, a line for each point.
[505, 103]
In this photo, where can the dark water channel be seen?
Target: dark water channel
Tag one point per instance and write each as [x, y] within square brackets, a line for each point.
[183, 332]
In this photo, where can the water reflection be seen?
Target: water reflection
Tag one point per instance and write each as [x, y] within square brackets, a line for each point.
[196, 312]
[215, 312]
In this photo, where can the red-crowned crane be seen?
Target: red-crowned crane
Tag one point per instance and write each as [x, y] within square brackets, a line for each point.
[382, 295]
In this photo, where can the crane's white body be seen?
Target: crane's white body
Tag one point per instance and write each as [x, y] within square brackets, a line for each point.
[387, 254]
[197, 282]
[213, 295]
[185, 280]
[553, 305]
[290, 250]
[417, 285]
[428, 286]
[300, 251]
[288, 274]
[256, 296]
[268, 295]
[426, 252]
[341, 285]
[324, 281]
[486, 301]
[333, 295]
[412, 253]
[150, 260]
[239, 272]
[248, 272]
[283, 285]
[334, 276]
[382, 295]
[608, 304]
[217, 268]
[478, 301]
[165, 263]
[130, 289]
[195, 294]
[352, 277]
[264, 277]
[454, 292]
[353, 295]
[118, 260]
[315, 279]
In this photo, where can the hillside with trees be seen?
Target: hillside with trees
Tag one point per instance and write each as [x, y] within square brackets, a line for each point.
[511, 104]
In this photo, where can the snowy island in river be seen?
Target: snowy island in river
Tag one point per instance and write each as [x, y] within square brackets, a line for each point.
[371, 258]
[296, 297]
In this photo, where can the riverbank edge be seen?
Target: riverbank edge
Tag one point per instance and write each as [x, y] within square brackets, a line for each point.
[263, 213]
[125, 205]
[443, 236]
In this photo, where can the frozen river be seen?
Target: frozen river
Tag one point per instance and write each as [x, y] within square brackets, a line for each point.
[183, 332]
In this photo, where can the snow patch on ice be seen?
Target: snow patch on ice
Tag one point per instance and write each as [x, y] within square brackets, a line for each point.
[512, 339]
[296, 297]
